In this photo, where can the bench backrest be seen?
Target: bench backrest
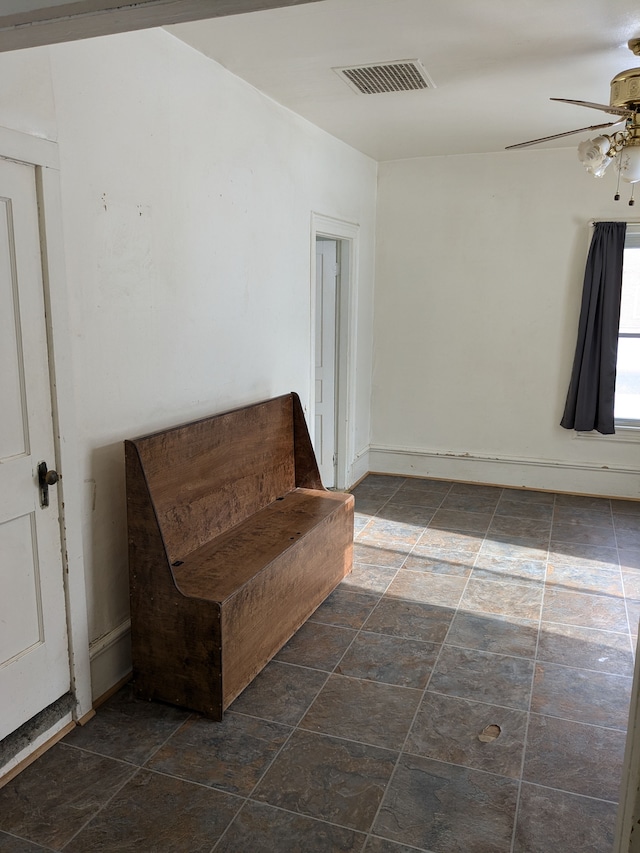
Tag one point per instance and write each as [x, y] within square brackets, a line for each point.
[206, 476]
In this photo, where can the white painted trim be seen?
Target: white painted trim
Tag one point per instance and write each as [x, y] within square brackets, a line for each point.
[69, 490]
[551, 474]
[359, 469]
[106, 641]
[347, 335]
[110, 659]
[43, 154]
[33, 150]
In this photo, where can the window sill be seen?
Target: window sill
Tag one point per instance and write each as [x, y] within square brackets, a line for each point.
[623, 434]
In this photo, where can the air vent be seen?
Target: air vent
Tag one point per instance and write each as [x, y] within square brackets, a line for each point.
[402, 75]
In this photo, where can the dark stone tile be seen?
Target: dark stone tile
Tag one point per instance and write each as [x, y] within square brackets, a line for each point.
[492, 633]
[456, 563]
[552, 821]
[281, 692]
[628, 507]
[629, 558]
[260, 828]
[383, 845]
[507, 599]
[410, 619]
[377, 487]
[533, 529]
[366, 508]
[166, 814]
[455, 519]
[441, 590]
[584, 502]
[477, 490]
[366, 579]
[633, 610]
[426, 500]
[582, 695]
[448, 809]
[328, 778]
[485, 503]
[514, 548]
[376, 554]
[582, 516]
[56, 795]
[529, 496]
[363, 711]
[482, 676]
[525, 509]
[603, 580]
[128, 728]
[585, 648]
[230, 755]
[418, 516]
[391, 660]
[447, 729]
[582, 553]
[574, 757]
[345, 608]
[396, 535]
[11, 844]
[360, 521]
[627, 538]
[432, 538]
[631, 584]
[424, 484]
[583, 534]
[316, 645]
[509, 570]
[585, 610]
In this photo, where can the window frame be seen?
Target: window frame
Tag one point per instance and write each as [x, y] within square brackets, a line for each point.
[629, 425]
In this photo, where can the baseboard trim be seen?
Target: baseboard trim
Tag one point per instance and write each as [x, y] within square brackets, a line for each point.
[110, 657]
[514, 472]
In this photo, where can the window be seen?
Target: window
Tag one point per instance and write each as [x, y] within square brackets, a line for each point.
[627, 396]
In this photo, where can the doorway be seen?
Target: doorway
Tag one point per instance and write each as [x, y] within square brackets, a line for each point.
[333, 310]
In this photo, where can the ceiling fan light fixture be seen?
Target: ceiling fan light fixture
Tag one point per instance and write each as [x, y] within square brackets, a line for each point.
[594, 155]
[629, 164]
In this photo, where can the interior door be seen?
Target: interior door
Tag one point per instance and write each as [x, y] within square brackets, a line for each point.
[325, 422]
[34, 660]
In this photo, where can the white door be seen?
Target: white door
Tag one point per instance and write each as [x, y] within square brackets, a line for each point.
[34, 661]
[325, 423]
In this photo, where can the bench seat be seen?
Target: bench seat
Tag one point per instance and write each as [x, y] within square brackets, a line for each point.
[233, 543]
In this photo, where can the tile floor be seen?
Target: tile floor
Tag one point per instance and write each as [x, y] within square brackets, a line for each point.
[468, 606]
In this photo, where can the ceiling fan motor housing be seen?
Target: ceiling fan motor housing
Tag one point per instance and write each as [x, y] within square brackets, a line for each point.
[625, 89]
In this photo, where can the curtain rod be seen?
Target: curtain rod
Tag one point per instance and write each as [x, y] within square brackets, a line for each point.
[593, 222]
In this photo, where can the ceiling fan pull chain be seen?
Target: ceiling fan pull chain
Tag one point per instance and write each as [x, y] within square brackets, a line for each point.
[631, 200]
[617, 195]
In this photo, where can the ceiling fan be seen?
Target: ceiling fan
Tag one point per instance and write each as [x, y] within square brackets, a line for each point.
[622, 146]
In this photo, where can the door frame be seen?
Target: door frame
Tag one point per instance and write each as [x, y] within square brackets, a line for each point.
[42, 154]
[347, 234]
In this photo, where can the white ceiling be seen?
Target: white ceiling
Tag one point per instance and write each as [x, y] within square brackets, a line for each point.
[495, 64]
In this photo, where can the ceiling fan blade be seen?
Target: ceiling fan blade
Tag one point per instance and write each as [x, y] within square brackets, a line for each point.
[616, 111]
[560, 135]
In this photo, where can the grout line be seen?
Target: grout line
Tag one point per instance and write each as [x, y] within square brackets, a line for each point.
[525, 741]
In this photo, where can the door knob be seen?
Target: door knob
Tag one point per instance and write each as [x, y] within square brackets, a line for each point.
[46, 478]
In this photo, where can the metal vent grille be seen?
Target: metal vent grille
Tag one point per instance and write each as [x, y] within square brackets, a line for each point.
[403, 75]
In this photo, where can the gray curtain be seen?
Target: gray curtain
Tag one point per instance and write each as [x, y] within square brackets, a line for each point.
[590, 398]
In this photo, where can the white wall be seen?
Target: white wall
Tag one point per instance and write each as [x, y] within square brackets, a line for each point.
[479, 273]
[187, 200]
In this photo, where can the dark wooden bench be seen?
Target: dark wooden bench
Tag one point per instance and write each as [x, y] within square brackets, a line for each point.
[233, 543]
